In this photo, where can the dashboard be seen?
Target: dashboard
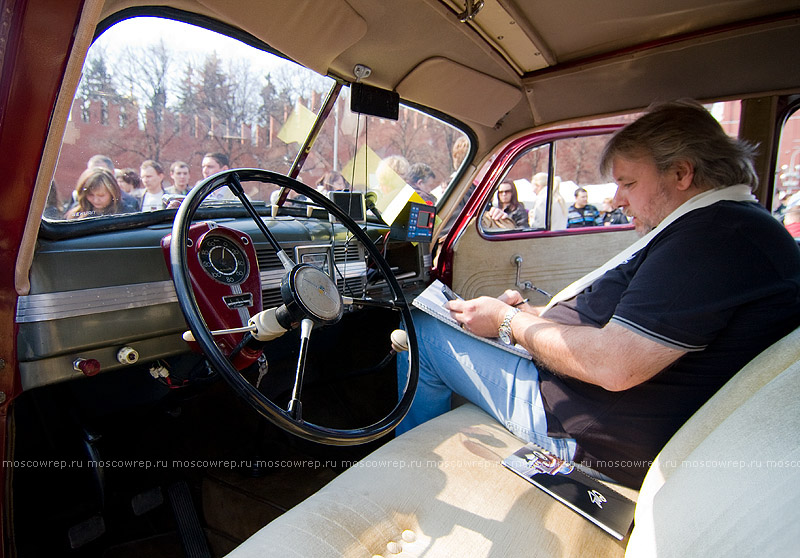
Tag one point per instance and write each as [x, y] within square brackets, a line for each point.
[108, 298]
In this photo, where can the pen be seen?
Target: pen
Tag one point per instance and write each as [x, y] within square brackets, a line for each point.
[521, 302]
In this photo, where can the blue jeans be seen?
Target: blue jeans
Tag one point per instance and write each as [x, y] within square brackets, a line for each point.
[502, 384]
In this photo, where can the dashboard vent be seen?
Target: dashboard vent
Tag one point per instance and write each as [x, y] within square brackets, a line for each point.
[350, 271]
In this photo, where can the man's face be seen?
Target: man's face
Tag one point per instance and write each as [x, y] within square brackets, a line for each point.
[150, 178]
[210, 166]
[643, 193]
[581, 199]
[180, 178]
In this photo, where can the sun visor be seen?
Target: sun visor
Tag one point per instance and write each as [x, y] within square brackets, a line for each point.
[433, 82]
[310, 32]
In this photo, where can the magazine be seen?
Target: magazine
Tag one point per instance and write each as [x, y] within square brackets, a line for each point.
[585, 495]
[432, 301]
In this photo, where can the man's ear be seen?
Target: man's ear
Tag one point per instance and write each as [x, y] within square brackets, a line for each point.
[683, 172]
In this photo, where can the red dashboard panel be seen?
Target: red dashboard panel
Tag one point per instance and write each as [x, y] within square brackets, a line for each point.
[225, 279]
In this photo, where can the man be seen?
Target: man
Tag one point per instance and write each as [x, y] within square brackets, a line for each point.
[581, 214]
[212, 164]
[422, 178]
[536, 217]
[151, 174]
[624, 356]
[179, 173]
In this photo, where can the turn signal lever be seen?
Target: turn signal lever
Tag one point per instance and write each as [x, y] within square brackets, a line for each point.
[264, 326]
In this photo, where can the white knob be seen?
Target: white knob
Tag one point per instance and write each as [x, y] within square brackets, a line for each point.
[399, 340]
[128, 355]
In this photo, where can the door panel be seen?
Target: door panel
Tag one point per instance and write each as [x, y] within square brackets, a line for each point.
[551, 262]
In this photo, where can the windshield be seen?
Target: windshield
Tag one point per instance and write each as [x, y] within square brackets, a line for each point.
[163, 104]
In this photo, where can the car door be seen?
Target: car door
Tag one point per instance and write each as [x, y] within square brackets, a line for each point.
[543, 253]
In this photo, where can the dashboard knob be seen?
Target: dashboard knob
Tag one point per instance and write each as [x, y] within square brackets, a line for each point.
[128, 355]
[87, 366]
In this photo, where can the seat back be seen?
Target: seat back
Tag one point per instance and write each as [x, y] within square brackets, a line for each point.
[730, 477]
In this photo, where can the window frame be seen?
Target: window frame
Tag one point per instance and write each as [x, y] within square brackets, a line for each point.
[503, 163]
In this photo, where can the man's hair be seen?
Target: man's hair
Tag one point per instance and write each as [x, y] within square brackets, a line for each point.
[685, 131]
[220, 158]
[177, 165]
[419, 171]
[100, 161]
[155, 165]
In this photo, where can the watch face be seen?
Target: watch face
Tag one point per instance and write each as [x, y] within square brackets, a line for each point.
[504, 336]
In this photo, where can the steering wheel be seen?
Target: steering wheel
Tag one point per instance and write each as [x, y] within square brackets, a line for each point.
[310, 297]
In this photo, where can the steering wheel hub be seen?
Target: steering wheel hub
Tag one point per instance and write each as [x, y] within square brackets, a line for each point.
[309, 292]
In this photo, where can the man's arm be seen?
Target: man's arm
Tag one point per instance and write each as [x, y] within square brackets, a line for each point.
[611, 357]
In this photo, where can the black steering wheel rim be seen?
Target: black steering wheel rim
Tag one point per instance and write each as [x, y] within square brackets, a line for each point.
[258, 401]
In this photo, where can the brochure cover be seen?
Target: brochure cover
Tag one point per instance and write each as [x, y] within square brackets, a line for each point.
[595, 501]
[432, 301]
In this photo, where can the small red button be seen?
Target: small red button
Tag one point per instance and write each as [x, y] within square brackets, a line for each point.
[87, 366]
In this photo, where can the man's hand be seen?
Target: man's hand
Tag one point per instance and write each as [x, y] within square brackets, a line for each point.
[481, 316]
[515, 299]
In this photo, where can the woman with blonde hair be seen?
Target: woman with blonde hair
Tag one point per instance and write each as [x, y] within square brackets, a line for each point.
[97, 193]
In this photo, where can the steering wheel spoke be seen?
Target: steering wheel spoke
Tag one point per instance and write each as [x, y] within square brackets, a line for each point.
[310, 298]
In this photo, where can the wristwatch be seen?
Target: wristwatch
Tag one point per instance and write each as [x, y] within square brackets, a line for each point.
[504, 332]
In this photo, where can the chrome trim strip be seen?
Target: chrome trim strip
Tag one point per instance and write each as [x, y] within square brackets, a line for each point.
[70, 304]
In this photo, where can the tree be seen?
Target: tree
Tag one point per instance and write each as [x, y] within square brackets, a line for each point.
[97, 82]
[144, 71]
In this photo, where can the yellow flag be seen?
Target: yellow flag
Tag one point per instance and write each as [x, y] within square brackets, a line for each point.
[298, 125]
[361, 167]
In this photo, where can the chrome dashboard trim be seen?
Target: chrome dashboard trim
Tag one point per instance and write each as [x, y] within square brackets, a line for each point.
[84, 302]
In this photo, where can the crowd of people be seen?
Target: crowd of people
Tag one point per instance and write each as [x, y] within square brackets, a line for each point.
[508, 212]
[102, 189]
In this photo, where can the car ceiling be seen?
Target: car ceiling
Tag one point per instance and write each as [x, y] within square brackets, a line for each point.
[517, 63]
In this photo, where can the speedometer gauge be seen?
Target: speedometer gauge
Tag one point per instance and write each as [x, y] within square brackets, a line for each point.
[223, 260]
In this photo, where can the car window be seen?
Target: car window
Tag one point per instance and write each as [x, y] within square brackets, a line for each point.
[163, 104]
[416, 155]
[573, 194]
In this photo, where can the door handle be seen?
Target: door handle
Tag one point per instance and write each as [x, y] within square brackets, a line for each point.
[525, 285]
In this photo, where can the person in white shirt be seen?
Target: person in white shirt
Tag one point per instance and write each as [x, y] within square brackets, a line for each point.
[151, 174]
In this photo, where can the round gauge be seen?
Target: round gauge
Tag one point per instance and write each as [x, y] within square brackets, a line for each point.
[223, 260]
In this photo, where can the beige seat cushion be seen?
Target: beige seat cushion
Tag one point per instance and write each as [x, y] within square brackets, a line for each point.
[726, 484]
[682, 451]
[736, 492]
[438, 490]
